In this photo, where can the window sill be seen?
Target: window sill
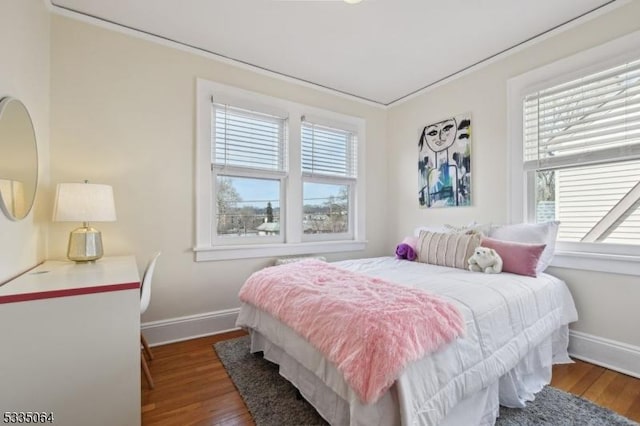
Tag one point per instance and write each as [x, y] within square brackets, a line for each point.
[611, 263]
[203, 254]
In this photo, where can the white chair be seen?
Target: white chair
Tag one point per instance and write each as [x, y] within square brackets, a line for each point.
[145, 298]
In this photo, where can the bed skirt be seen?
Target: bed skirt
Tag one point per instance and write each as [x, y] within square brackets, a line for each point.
[513, 389]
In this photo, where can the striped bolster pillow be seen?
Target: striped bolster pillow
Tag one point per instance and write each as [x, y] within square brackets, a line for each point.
[447, 249]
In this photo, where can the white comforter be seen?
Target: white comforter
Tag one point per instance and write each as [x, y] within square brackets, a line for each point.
[506, 317]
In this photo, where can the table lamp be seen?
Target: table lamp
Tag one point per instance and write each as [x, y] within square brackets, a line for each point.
[84, 202]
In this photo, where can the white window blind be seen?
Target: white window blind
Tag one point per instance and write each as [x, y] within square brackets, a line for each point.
[328, 151]
[247, 139]
[592, 119]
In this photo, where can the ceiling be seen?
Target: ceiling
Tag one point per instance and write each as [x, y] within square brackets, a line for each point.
[377, 50]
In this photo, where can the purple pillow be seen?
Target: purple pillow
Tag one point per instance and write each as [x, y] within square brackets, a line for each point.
[517, 258]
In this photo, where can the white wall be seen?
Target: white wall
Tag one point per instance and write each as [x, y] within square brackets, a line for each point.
[24, 74]
[123, 114]
[604, 300]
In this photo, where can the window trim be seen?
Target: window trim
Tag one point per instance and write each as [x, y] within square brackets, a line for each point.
[205, 248]
[613, 258]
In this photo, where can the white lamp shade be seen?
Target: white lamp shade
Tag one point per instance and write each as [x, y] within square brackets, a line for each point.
[84, 202]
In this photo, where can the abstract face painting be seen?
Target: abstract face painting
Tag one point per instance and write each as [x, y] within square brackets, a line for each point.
[440, 136]
[444, 163]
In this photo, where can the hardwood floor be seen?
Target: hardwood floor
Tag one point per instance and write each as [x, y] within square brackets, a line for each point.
[616, 391]
[192, 387]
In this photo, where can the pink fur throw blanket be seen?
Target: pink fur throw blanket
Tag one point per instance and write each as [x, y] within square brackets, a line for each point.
[369, 328]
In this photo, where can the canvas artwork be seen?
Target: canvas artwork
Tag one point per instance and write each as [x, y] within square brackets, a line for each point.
[444, 163]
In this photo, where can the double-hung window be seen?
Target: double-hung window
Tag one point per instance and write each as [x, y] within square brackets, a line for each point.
[329, 176]
[274, 177]
[248, 168]
[580, 159]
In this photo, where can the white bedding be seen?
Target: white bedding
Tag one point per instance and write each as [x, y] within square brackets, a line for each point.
[509, 318]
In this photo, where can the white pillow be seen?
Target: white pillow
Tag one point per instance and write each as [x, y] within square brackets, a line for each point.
[471, 228]
[432, 229]
[531, 233]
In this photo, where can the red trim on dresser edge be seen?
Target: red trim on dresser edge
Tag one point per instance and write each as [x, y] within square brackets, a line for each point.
[24, 297]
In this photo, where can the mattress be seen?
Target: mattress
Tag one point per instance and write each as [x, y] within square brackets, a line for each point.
[511, 322]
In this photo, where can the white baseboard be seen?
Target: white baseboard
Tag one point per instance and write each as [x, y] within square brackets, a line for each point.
[190, 327]
[607, 353]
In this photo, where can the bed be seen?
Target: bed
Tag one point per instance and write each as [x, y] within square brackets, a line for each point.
[516, 328]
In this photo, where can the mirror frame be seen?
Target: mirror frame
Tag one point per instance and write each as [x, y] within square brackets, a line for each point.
[4, 102]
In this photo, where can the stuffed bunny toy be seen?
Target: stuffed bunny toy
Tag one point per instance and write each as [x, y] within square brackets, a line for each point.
[485, 260]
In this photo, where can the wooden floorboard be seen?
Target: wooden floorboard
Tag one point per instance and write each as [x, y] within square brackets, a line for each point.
[193, 388]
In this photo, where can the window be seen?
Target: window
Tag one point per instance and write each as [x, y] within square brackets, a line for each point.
[275, 177]
[247, 207]
[248, 168]
[579, 138]
[328, 175]
[580, 152]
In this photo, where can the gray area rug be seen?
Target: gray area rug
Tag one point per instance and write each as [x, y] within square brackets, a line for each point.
[273, 401]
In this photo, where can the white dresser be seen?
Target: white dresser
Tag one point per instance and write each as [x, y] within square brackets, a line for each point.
[70, 342]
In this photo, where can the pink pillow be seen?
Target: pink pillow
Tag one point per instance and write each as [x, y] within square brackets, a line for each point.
[410, 241]
[518, 258]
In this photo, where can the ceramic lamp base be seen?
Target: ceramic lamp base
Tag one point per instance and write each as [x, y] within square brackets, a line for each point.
[85, 244]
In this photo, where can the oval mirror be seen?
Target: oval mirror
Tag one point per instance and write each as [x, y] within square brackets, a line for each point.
[18, 159]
